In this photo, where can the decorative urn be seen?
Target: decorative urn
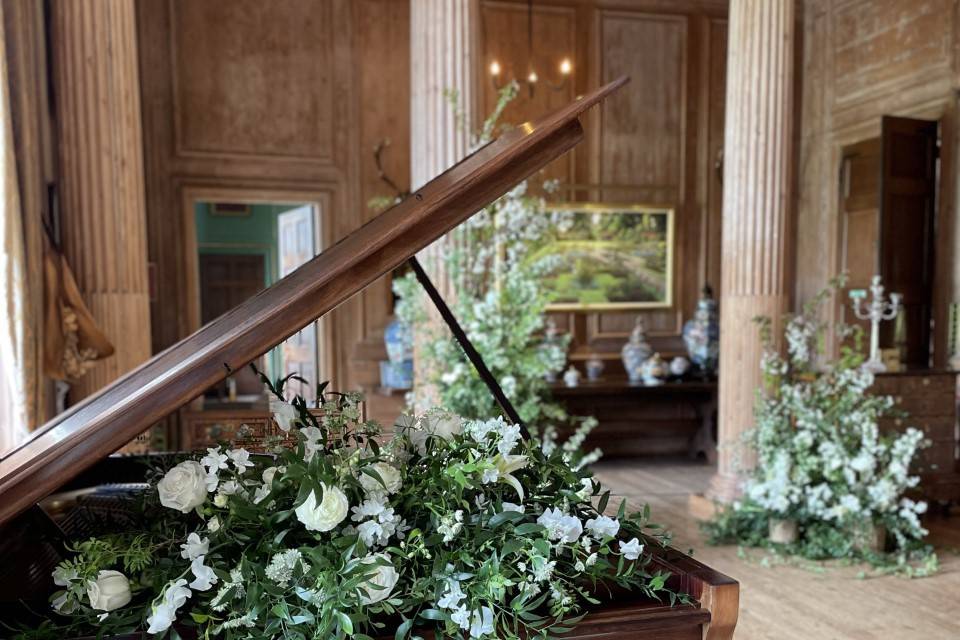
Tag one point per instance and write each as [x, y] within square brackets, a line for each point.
[636, 351]
[654, 370]
[594, 368]
[701, 334]
[571, 377]
[396, 372]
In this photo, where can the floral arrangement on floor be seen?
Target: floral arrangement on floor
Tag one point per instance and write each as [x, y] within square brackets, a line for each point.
[459, 527]
[501, 306]
[827, 482]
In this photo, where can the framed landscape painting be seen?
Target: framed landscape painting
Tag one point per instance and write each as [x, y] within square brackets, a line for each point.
[601, 256]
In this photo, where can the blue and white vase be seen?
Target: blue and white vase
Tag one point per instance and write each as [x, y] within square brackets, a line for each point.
[398, 339]
[701, 334]
[594, 368]
[635, 351]
[571, 377]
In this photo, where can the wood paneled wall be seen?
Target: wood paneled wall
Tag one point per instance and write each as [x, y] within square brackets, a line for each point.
[863, 59]
[658, 142]
[271, 101]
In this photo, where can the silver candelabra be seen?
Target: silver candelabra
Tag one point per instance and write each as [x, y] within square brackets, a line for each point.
[876, 310]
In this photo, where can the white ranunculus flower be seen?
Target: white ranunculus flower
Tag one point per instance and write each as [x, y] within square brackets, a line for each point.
[329, 513]
[110, 591]
[284, 413]
[194, 547]
[184, 487]
[388, 473]
[385, 577]
[631, 550]
[604, 526]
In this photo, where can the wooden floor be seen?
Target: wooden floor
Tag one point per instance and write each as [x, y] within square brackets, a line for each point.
[782, 602]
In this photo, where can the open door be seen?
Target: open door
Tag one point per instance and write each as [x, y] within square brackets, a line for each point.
[908, 183]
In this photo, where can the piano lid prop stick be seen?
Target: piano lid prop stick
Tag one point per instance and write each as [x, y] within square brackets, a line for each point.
[472, 354]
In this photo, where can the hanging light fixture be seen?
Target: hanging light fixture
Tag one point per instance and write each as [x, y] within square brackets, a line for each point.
[565, 66]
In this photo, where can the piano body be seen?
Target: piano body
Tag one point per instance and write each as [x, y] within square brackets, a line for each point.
[44, 484]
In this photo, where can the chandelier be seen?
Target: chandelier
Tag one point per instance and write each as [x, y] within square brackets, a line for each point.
[532, 79]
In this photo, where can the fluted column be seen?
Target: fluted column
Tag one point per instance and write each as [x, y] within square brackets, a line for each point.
[756, 199]
[97, 92]
[443, 58]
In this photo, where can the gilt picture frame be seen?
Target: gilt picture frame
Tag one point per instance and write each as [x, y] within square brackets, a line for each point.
[606, 257]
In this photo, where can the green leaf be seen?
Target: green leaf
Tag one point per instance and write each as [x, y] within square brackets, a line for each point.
[404, 629]
[505, 516]
[345, 623]
[527, 528]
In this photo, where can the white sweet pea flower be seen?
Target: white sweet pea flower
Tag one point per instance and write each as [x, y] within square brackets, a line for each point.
[194, 547]
[461, 617]
[560, 526]
[509, 506]
[184, 487]
[213, 524]
[481, 623]
[604, 526]
[312, 442]
[111, 590]
[386, 578]
[204, 577]
[284, 413]
[631, 550]
[328, 514]
[62, 603]
[165, 612]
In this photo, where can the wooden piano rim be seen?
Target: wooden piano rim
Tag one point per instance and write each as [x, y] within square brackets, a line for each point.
[107, 420]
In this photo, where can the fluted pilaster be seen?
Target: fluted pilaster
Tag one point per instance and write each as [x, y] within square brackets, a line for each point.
[756, 200]
[97, 93]
[443, 53]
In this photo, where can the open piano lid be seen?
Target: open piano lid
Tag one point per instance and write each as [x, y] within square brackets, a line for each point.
[101, 424]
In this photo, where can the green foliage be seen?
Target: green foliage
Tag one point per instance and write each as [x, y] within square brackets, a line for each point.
[822, 460]
[453, 525]
[500, 303]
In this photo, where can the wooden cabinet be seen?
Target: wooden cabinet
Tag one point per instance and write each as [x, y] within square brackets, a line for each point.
[637, 420]
[930, 400]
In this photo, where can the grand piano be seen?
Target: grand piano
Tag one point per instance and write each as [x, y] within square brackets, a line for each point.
[46, 496]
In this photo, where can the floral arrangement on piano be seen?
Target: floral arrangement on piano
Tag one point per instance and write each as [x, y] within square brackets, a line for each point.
[459, 527]
[828, 482]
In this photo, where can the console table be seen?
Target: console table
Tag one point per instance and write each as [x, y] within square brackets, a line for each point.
[640, 420]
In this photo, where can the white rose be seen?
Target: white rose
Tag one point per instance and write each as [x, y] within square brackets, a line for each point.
[184, 487]
[110, 591]
[389, 474]
[329, 513]
[385, 577]
[213, 524]
[445, 425]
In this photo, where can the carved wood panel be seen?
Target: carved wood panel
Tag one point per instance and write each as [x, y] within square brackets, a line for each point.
[642, 134]
[253, 78]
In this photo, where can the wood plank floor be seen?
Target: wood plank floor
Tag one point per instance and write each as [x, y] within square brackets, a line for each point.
[783, 602]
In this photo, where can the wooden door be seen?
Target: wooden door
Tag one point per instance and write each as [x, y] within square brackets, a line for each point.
[296, 245]
[908, 181]
[860, 223]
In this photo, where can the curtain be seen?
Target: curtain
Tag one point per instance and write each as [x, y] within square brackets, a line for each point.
[15, 394]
